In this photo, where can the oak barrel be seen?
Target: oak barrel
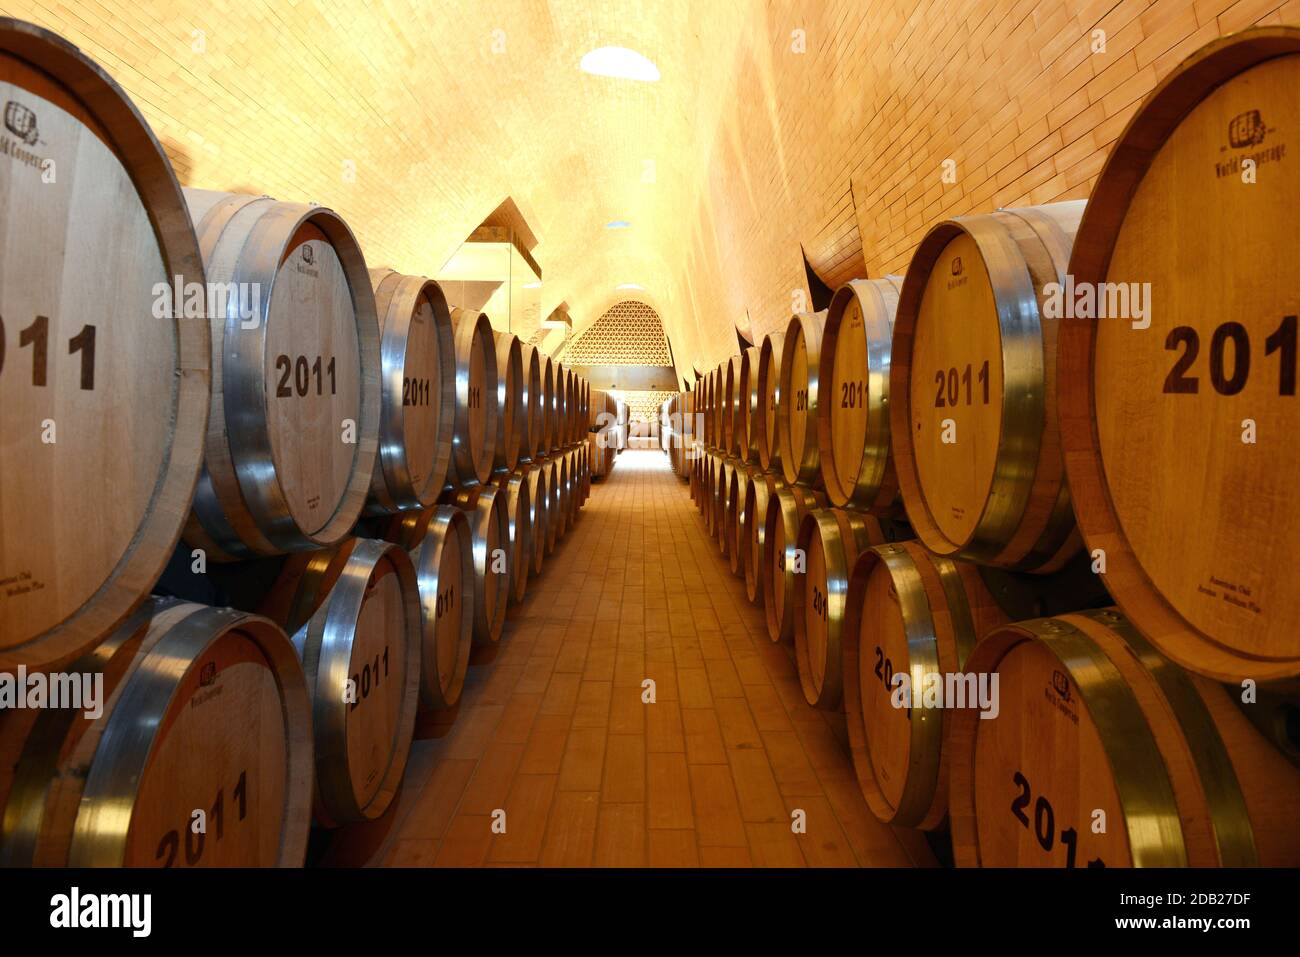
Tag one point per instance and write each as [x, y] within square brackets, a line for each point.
[759, 487]
[910, 612]
[767, 418]
[203, 708]
[786, 508]
[514, 486]
[485, 507]
[746, 410]
[539, 499]
[512, 414]
[418, 388]
[853, 414]
[800, 398]
[1179, 429]
[474, 438]
[534, 428]
[438, 540]
[973, 389]
[1105, 753]
[95, 393]
[732, 400]
[831, 540]
[293, 428]
[547, 365]
[560, 408]
[355, 618]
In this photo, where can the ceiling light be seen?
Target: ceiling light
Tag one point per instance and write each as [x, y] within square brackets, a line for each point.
[620, 63]
[619, 224]
[532, 285]
[630, 285]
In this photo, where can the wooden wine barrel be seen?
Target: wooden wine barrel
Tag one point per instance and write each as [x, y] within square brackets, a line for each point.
[681, 445]
[786, 508]
[514, 486]
[706, 407]
[747, 405]
[354, 613]
[438, 540]
[1094, 721]
[559, 480]
[759, 488]
[563, 495]
[575, 478]
[721, 410]
[706, 492]
[574, 408]
[832, 539]
[723, 531]
[485, 508]
[1180, 438]
[602, 452]
[731, 402]
[512, 414]
[474, 438]
[909, 612]
[853, 415]
[703, 496]
[547, 467]
[533, 425]
[800, 398]
[96, 394]
[418, 388]
[294, 422]
[202, 708]
[539, 500]
[547, 365]
[973, 389]
[738, 551]
[767, 417]
[560, 411]
[586, 471]
[706, 487]
[694, 484]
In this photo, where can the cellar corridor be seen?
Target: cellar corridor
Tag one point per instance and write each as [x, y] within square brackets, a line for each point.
[554, 733]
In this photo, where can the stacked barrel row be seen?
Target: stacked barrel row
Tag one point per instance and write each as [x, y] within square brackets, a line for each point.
[1026, 513]
[607, 431]
[367, 475]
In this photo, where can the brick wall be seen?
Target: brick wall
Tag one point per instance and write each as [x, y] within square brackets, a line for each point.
[840, 149]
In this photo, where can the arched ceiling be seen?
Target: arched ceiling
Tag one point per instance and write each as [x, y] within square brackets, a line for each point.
[415, 118]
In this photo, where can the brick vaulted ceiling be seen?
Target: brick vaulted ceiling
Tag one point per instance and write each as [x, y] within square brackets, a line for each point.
[779, 129]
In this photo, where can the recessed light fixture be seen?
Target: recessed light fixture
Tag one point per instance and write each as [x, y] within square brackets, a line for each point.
[630, 285]
[532, 285]
[619, 224]
[619, 63]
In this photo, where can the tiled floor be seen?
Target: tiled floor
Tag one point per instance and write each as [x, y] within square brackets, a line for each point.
[554, 732]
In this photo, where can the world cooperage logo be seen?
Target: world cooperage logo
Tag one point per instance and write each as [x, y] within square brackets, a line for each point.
[1246, 129]
[21, 122]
